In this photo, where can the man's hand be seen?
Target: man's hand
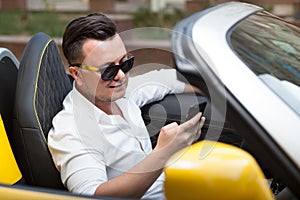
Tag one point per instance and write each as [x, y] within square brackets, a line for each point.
[135, 182]
[174, 137]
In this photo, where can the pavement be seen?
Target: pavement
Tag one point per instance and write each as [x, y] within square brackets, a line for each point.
[280, 9]
[81, 5]
[128, 6]
[58, 5]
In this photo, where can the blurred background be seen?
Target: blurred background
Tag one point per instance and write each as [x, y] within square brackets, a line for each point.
[20, 19]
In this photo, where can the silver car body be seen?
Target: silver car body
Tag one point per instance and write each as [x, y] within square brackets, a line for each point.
[203, 47]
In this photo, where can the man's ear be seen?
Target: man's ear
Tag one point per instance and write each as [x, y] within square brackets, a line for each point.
[74, 72]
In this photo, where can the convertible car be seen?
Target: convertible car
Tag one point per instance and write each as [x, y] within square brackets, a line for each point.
[246, 62]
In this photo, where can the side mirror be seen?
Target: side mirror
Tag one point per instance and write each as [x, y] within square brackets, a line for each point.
[213, 170]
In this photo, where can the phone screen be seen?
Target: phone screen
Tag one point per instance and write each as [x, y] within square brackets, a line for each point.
[193, 110]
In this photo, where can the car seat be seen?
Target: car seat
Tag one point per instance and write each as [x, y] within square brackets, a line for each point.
[9, 72]
[9, 64]
[41, 87]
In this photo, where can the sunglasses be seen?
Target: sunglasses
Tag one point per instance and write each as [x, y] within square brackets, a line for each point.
[109, 73]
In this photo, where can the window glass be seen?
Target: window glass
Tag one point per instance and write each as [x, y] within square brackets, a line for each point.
[270, 47]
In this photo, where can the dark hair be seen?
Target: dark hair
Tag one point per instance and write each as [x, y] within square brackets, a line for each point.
[94, 26]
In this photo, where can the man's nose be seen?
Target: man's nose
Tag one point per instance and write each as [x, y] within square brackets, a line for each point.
[119, 75]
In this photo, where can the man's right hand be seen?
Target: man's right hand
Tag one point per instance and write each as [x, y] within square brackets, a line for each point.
[174, 137]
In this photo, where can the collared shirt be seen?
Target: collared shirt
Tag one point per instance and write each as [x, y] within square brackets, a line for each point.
[90, 147]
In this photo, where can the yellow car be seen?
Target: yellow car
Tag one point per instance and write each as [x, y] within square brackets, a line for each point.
[244, 59]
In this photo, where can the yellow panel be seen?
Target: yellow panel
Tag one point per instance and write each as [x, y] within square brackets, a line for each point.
[211, 170]
[9, 170]
[8, 193]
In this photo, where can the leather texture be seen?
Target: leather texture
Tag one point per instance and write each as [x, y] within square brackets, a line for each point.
[41, 87]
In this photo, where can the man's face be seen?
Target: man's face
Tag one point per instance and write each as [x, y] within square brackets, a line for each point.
[101, 54]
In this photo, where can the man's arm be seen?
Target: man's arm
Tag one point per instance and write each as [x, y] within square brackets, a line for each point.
[188, 88]
[135, 182]
[153, 86]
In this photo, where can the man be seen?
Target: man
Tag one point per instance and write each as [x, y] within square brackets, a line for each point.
[99, 142]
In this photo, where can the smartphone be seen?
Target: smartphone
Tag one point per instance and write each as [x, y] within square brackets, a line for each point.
[194, 109]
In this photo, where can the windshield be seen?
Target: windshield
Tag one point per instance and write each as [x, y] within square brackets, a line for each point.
[271, 49]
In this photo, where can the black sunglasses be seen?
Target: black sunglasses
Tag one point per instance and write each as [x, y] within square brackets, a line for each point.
[109, 73]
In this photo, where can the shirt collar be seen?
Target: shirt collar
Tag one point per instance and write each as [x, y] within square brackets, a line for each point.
[85, 107]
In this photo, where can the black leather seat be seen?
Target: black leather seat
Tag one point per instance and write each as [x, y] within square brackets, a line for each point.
[8, 79]
[41, 87]
[9, 66]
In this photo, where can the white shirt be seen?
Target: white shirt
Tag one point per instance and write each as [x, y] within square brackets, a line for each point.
[90, 147]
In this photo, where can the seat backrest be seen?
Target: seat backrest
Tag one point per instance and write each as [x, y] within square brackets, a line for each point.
[41, 87]
[8, 79]
[9, 65]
